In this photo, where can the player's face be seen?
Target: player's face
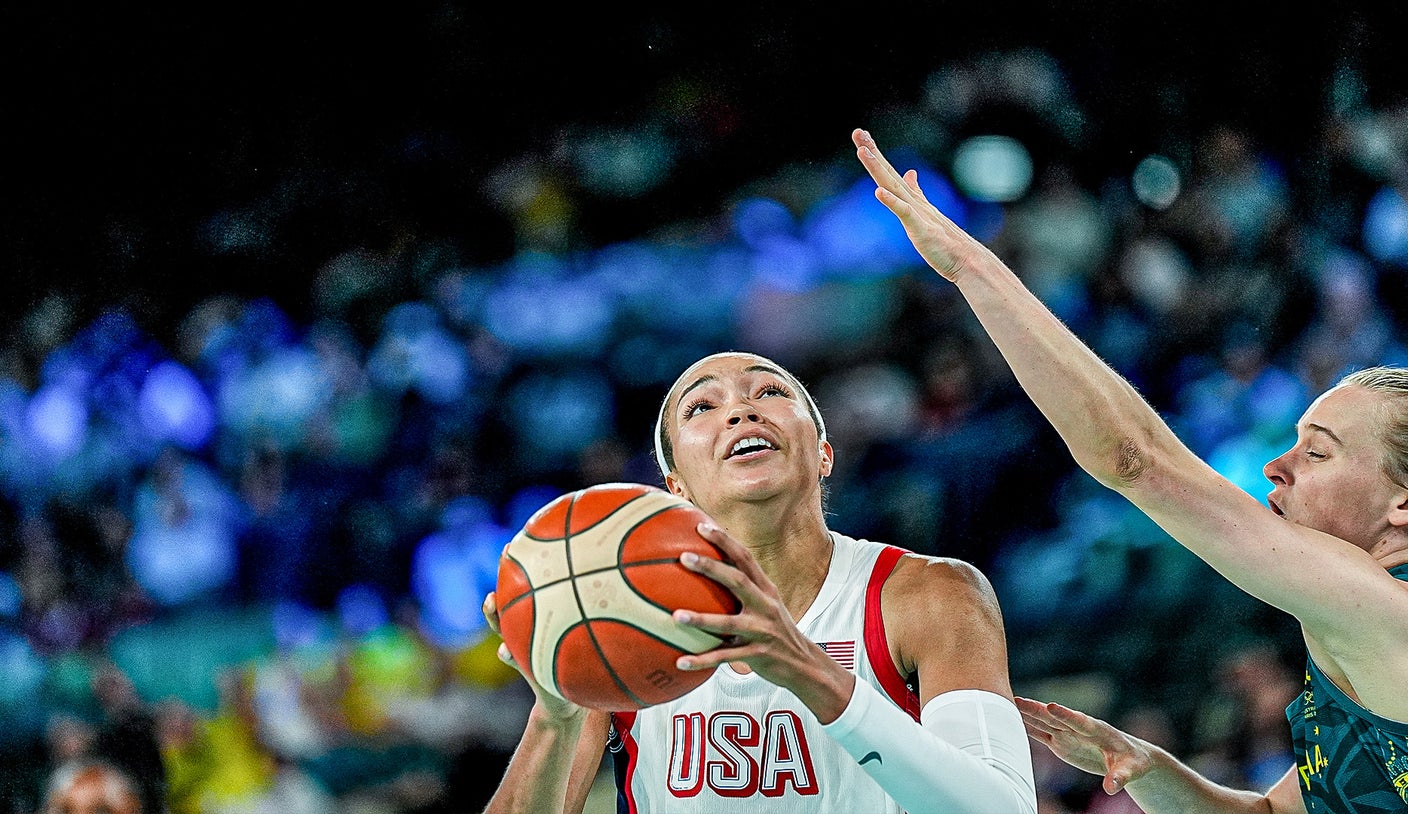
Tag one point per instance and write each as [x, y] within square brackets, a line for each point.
[94, 791]
[741, 429]
[1333, 479]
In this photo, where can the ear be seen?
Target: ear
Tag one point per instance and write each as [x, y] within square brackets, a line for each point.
[828, 458]
[676, 486]
[1398, 515]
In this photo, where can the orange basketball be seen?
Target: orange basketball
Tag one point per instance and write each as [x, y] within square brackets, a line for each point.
[586, 589]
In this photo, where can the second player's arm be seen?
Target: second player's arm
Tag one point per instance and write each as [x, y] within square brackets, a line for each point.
[1156, 780]
[1174, 787]
[1117, 437]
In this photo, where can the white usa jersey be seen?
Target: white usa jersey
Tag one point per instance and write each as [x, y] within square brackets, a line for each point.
[738, 742]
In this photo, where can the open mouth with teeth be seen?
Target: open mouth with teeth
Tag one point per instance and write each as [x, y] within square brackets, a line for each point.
[749, 446]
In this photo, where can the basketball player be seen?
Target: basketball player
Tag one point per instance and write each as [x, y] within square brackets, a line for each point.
[857, 677]
[1331, 549]
[91, 786]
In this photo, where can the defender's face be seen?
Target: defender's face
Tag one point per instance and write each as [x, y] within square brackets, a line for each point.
[1333, 479]
[741, 430]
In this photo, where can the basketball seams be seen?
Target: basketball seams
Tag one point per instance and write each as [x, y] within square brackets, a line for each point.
[567, 525]
[590, 607]
[526, 579]
[604, 534]
[616, 566]
[631, 564]
[526, 534]
[652, 619]
[584, 620]
[667, 612]
[546, 630]
[625, 535]
[522, 549]
[605, 663]
[582, 611]
[541, 629]
[611, 533]
[601, 569]
[621, 567]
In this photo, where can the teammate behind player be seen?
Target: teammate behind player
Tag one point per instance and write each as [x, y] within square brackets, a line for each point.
[857, 676]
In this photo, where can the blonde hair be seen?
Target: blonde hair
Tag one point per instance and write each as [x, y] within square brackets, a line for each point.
[1393, 383]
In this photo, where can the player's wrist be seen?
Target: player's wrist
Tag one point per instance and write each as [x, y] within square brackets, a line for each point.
[559, 716]
[1146, 760]
[828, 691]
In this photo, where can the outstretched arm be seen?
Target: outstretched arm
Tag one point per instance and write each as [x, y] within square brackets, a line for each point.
[1155, 779]
[1122, 442]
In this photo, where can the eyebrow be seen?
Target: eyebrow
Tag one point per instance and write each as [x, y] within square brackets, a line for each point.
[709, 377]
[1325, 430]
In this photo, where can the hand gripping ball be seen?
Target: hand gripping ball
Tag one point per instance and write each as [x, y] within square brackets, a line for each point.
[586, 589]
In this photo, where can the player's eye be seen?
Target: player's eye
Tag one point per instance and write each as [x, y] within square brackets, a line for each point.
[695, 407]
[774, 390]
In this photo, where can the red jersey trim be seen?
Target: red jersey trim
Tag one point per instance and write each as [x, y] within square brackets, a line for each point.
[877, 646]
[624, 722]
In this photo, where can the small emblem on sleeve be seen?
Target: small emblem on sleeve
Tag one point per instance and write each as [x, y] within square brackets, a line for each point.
[869, 756]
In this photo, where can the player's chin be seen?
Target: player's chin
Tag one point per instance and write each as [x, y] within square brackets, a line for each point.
[753, 484]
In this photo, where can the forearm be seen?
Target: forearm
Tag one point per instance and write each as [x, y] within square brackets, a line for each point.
[1115, 435]
[1171, 787]
[1110, 429]
[1118, 438]
[541, 774]
[971, 753]
[1104, 421]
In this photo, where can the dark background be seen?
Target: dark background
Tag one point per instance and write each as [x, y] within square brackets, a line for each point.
[126, 128]
[134, 141]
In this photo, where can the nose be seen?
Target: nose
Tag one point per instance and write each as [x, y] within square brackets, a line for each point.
[1276, 470]
[740, 413]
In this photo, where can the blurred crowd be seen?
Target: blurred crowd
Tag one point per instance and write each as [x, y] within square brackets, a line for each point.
[243, 560]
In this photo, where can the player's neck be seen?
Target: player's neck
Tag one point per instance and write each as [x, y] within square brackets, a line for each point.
[799, 575]
[794, 551]
[1392, 550]
[1394, 558]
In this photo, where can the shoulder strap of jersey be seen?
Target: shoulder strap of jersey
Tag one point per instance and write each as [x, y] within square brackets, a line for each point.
[877, 646]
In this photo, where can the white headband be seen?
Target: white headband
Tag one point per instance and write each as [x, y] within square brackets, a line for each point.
[660, 419]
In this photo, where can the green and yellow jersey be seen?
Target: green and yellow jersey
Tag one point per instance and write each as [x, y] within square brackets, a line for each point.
[1350, 761]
